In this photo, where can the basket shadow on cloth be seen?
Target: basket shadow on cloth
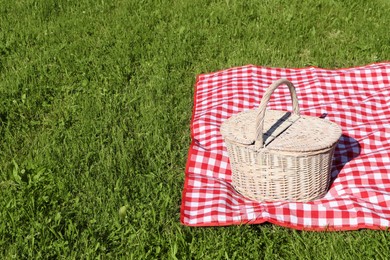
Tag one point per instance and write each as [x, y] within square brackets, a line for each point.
[346, 150]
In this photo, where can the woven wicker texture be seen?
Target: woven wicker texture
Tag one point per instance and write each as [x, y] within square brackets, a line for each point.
[278, 155]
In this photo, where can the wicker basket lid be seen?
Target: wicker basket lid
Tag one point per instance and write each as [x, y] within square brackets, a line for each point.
[278, 130]
[282, 131]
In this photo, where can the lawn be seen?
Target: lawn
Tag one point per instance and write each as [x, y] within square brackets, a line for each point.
[95, 106]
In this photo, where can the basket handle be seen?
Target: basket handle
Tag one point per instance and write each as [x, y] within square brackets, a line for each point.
[259, 142]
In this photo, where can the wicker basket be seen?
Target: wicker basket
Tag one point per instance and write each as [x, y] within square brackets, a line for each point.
[280, 156]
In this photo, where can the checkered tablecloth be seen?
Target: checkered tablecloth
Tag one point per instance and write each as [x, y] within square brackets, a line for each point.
[358, 99]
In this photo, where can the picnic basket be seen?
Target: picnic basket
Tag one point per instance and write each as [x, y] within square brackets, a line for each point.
[277, 155]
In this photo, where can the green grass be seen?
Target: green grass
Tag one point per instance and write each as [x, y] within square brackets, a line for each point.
[95, 106]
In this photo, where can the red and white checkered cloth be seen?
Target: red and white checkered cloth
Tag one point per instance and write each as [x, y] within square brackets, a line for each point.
[358, 99]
